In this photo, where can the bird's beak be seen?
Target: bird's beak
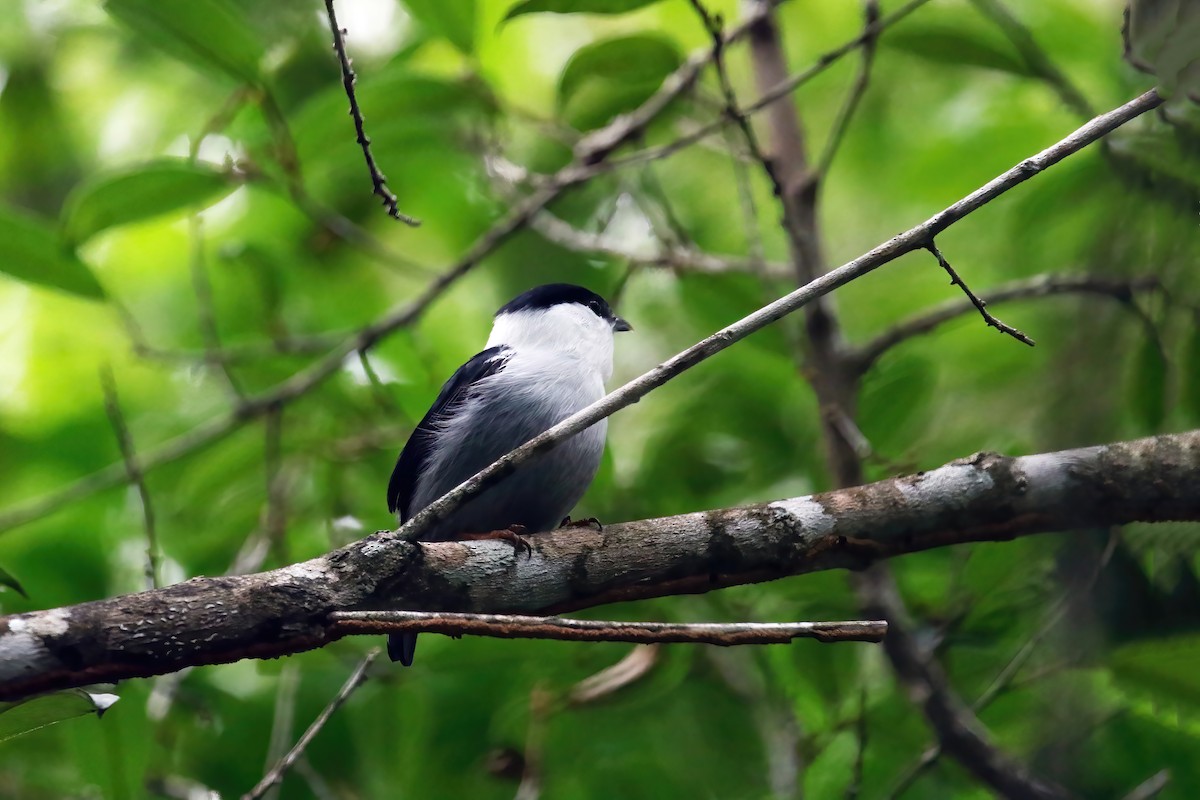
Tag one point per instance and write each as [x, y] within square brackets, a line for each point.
[621, 325]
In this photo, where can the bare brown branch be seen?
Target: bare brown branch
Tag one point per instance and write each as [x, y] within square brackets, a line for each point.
[518, 626]
[288, 610]
[378, 180]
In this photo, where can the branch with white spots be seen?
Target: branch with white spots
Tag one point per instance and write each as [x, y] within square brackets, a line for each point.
[295, 608]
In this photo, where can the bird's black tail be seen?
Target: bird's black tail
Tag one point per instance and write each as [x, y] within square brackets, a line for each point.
[401, 647]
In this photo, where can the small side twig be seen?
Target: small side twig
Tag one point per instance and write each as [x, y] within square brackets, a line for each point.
[112, 405]
[276, 773]
[521, 626]
[378, 179]
[991, 320]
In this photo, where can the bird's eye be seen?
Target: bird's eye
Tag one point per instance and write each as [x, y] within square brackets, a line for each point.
[594, 305]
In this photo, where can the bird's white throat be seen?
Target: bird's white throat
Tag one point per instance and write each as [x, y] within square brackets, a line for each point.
[568, 329]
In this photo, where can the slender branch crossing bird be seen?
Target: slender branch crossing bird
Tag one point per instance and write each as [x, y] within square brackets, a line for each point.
[548, 356]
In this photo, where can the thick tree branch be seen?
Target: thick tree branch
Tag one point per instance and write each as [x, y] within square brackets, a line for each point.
[288, 610]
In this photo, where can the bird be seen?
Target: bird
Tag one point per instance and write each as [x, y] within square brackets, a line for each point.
[549, 355]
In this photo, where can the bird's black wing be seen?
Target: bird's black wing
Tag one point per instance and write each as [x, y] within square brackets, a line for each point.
[416, 453]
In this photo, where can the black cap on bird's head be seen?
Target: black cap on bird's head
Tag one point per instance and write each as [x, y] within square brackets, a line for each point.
[553, 294]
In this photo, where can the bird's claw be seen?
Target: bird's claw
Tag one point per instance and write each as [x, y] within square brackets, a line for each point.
[512, 534]
[590, 522]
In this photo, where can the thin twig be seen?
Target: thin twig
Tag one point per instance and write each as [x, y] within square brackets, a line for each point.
[522, 626]
[713, 25]
[854, 97]
[955, 280]
[276, 773]
[112, 405]
[293, 184]
[675, 257]
[378, 180]
[1048, 285]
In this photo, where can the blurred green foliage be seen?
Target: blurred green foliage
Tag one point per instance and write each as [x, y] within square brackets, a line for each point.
[171, 171]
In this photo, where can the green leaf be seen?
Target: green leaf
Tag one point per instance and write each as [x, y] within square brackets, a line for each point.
[953, 44]
[454, 20]
[576, 7]
[24, 716]
[1148, 384]
[213, 35]
[141, 192]
[31, 250]
[1164, 667]
[607, 78]
[7, 579]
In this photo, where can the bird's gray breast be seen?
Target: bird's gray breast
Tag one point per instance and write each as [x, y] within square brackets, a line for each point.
[504, 411]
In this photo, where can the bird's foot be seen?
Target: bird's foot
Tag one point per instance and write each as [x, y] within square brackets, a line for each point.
[512, 534]
[590, 522]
